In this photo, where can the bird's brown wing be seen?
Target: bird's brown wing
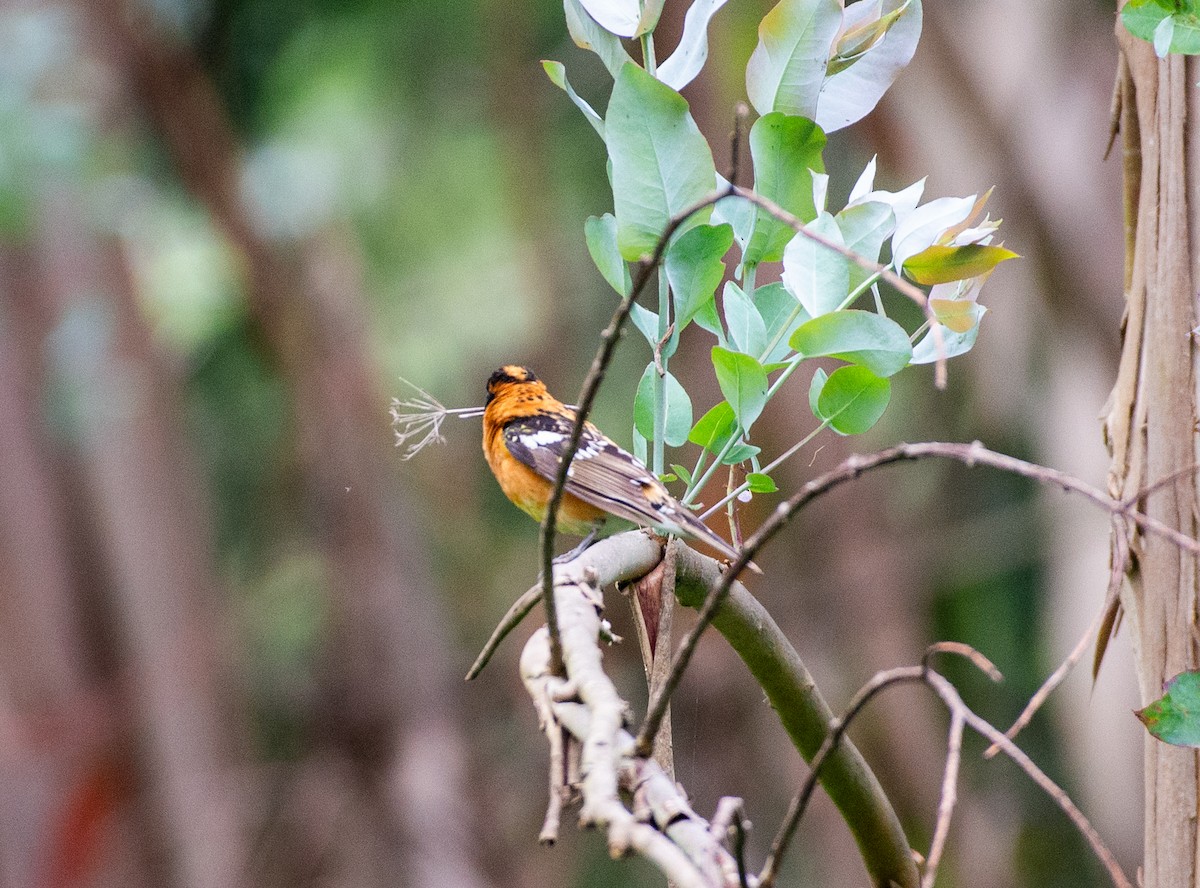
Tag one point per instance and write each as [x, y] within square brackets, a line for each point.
[604, 475]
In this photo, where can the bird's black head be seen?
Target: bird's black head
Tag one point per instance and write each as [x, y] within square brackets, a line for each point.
[509, 374]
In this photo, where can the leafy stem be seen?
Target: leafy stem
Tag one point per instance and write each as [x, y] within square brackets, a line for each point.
[859, 290]
[698, 482]
[768, 469]
[659, 377]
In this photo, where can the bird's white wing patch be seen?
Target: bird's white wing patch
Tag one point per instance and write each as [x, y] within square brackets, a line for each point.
[542, 438]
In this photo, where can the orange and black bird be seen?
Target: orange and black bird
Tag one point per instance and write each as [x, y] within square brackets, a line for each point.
[525, 431]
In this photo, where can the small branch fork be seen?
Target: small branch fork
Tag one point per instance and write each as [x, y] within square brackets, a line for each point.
[591, 753]
[960, 716]
[593, 757]
[969, 454]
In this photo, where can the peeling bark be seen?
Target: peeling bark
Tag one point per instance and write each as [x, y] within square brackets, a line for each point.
[1151, 426]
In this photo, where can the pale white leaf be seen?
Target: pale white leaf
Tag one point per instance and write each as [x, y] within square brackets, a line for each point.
[866, 181]
[902, 202]
[820, 190]
[787, 68]
[953, 344]
[922, 227]
[981, 234]
[689, 56]
[618, 17]
[817, 276]
[850, 94]
[589, 35]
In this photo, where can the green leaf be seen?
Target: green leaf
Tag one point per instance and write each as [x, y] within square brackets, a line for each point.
[1143, 19]
[760, 483]
[786, 150]
[661, 164]
[778, 308]
[643, 404]
[639, 446]
[679, 413]
[852, 399]
[708, 319]
[1168, 28]
[860, 337]
[746, 330]
[815, 274]
[820, 377]
[787, 68]
[864, 228]
[1175, 716]
[849, 94]
[682, 472]
[735, 211]
[668, 477]
[646, 322]
[743, 383]
[1185, 38]
[600, 232]
[587, 34]
[714, 428]
[695, 269]
[678, 407]
[941, 264]
[739, 453]
[557, 72]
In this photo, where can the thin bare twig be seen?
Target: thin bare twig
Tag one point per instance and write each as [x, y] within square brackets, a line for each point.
[953, 701]
[1162, 482]
[960, 714]
[969, 454]
[1103, 616]
[949, 796]
[837, 728]
[511, 619]
[959, 649]
[1056, 678]
[730, 824]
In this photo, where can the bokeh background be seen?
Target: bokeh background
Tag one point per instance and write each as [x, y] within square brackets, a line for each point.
[234, 624]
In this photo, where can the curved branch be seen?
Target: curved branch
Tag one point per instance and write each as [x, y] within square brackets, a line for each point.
[778, 669]
[616, 559]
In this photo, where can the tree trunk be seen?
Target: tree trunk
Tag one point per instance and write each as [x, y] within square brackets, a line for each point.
[1152, 424]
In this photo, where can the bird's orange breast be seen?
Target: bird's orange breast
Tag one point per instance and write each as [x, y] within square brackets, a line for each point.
[530, 492]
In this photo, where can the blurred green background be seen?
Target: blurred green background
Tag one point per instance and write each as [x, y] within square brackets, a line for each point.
[234, 622]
